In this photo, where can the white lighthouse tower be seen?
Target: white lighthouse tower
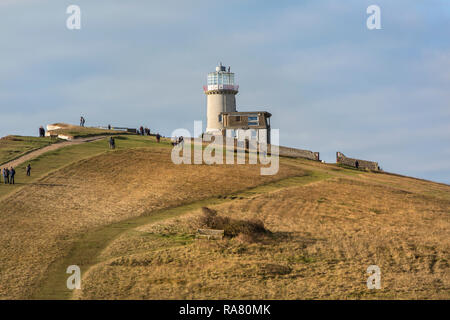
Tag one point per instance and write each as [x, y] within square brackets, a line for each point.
[221, 97]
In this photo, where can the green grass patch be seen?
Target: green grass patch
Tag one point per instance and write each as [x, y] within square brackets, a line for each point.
[13, 147]
[174, 238]
[350, 170]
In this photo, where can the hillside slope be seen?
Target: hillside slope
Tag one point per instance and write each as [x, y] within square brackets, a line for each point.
[323, 237]
[41, 221]
[128, 218]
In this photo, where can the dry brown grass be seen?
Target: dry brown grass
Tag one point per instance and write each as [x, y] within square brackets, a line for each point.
[322, 236]
[325, 235]
[39, 222]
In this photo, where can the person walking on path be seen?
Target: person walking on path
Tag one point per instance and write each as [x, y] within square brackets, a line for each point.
[12, 173]
[112, 143]
[29, 170]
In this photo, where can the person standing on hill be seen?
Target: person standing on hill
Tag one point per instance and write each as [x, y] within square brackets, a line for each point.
[112, 143]
[41, 132]
[4, 176]
[13, 173]
[158, 137]
[29, 170]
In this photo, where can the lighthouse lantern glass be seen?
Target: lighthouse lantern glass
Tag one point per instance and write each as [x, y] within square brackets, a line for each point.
[218, 78]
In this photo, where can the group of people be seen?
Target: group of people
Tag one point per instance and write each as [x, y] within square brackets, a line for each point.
[9, 174]
[176, 140]
[144, 131]
[82, 121]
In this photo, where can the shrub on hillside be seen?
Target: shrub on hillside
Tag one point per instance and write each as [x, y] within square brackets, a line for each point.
[232, 227]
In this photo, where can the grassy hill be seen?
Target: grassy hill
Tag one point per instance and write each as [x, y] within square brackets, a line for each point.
[128, 218]
[59, 158]
[321, 238]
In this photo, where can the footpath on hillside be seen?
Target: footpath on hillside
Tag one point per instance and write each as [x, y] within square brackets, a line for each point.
[34, 154]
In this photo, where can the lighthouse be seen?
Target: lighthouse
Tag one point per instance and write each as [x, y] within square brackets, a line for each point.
[221, 97]
[222, 116]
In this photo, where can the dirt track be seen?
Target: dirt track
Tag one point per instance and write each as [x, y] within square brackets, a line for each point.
[54, 146]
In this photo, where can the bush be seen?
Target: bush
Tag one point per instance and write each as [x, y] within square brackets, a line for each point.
[232, 227]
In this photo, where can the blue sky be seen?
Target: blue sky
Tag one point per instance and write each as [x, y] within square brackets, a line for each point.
[330, 83]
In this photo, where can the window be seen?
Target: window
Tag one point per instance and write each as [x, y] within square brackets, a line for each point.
[237, 118]
[220, 118]
[228, 78]
[215, 78]
[212, 78]
[253, 121]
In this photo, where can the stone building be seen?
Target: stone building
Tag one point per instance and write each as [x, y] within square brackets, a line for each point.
[356, 163]
[257, 120]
